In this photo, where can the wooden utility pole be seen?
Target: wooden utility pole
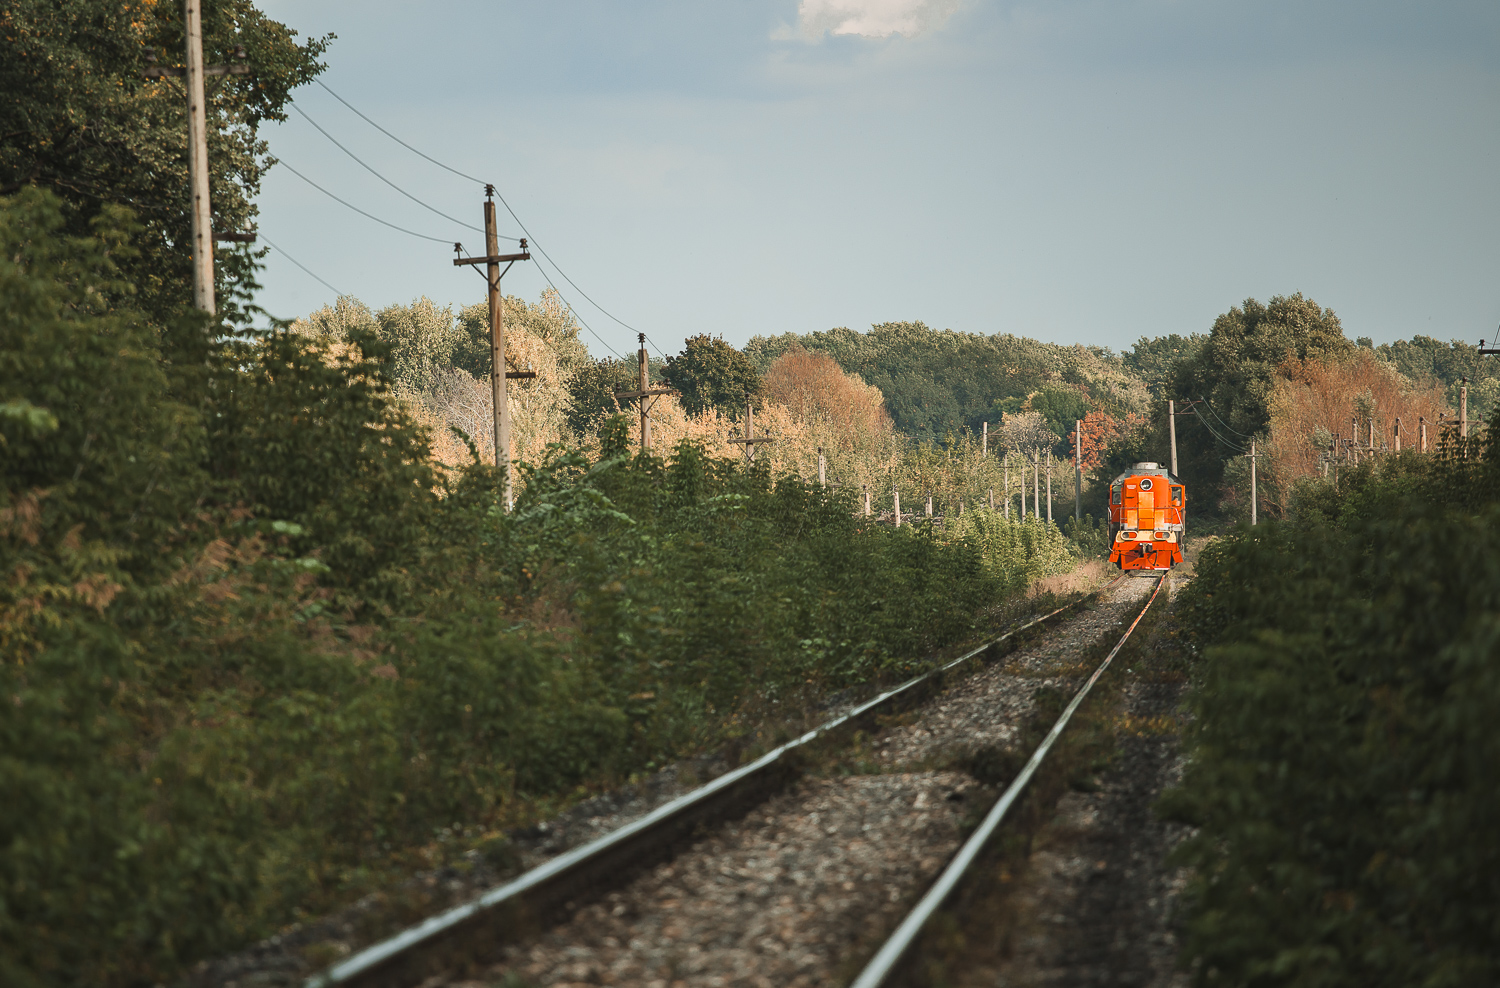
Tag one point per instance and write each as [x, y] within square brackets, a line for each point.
[1049, 486]
[1022, 515]
[643, 372]
[1422, 428]
[929, 506]
[202, 213]
[644, 392]
[1372, 435]
[896, 499]
[1398, 433]
[992, 499]
[1172, 431]
[1078, 471]
[751, 438]
[1253, 515]
[984, 441]
[867, 500]
[1036, 484]
[822, 469]
[200, 206]
[1463, 409]
[498, 374]
[1007, 485]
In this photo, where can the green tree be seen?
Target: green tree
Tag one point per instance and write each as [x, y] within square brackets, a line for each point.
[1061, 407]
[592, 390]
[549, 320]
[938, 383]
[1424, 359]
[78, 119]
[712, 374]
[1154, 358]
[1342, 769]
[1233, 373]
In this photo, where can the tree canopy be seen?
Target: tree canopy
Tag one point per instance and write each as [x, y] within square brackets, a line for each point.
[1234, 374]
[712, 374]
[938, 383]
[79, 119]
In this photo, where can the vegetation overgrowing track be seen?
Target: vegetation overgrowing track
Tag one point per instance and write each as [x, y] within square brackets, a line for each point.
[891, 963]
[846, 818]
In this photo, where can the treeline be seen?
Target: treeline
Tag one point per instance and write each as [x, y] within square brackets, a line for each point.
[1343, 769]
[1283, 376]
[260, 650]
[941, 383]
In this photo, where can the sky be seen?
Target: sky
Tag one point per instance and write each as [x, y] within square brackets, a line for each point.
[1075, 171]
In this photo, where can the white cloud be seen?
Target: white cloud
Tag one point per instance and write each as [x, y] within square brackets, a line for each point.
[871, 18]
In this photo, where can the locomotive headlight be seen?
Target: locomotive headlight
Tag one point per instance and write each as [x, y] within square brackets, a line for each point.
[1127, 535]
[1163, 536]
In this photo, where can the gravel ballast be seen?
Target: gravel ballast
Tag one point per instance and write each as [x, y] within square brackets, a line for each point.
[805, 886]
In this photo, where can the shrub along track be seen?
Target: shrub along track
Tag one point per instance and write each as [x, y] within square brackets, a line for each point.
[802, 887]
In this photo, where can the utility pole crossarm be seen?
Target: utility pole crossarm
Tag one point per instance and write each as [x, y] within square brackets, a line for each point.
[524, 255]
[177, 72]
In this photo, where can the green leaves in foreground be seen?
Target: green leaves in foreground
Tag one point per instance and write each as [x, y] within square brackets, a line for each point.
[259, 655]
[1345, 768]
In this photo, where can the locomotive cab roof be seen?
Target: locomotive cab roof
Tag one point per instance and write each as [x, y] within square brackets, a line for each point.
[1146, 470]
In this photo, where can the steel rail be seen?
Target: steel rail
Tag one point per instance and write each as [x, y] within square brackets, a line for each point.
[888, 958]
[554, 880]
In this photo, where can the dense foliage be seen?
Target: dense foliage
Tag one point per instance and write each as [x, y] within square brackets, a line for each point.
[260, 650]
[1448, 365]
[79, 119]
[1344, 765]
[938, 383]
[1233, 373]
[712, 374]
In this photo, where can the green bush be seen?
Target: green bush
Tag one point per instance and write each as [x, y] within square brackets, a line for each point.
[1344, 769]
[258, 654]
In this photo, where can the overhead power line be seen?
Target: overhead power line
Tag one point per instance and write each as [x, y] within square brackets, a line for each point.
[377, 219]
[540, 249]
[603, 342]
[299, 264]
[395, 138]
[1213, 432]
[574, 310]
[372, 171]
[1221, 419]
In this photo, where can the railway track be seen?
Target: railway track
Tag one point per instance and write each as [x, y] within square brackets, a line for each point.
[757, 880]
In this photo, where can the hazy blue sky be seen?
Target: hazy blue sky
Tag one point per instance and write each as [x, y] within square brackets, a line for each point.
[1075, 170]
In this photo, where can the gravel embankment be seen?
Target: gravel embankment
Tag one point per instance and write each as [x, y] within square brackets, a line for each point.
[775, 899]
[1094, 903]
[804, 886]
[795, 893]
[990, 706]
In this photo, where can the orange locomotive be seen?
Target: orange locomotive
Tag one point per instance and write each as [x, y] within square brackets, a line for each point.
[1146, 518]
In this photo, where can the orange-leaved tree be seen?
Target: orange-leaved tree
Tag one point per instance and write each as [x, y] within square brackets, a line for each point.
[816, 391]
[1318, 401]
[1100, 431]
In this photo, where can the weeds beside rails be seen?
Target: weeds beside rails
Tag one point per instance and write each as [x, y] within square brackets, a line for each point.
[962, 933]
[459, 936]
